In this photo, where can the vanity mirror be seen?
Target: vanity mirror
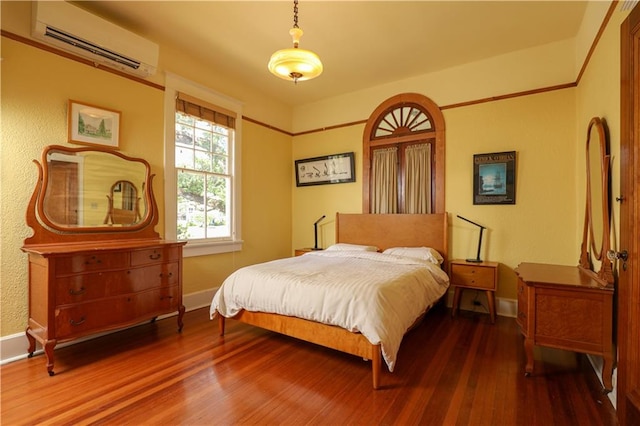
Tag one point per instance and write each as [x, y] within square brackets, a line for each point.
[92, 190]
[596, 231]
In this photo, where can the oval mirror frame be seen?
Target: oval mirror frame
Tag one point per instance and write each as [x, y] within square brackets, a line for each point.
[596, 231]
[39, 202]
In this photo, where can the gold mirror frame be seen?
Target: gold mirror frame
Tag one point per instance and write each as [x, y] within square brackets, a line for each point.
[48, 230]
[596, 231]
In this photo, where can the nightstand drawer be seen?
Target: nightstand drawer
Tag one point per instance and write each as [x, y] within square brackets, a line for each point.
[473, 276]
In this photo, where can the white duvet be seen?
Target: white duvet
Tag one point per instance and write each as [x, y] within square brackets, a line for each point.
[378, 295]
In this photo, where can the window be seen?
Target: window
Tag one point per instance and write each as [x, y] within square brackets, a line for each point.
[403, 157]
[202, 170]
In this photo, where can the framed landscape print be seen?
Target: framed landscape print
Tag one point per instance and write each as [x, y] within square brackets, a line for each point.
[494, 178]
[92, 125]
[337, 168]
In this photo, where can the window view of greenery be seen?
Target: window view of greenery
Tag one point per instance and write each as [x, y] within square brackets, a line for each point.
[203, 178]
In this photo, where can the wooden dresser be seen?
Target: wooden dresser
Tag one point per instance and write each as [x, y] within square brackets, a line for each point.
[86, 279]
[81, 289]
[565, 307]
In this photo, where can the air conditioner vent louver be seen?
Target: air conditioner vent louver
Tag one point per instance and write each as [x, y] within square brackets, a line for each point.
[90, 47]
[72, 29]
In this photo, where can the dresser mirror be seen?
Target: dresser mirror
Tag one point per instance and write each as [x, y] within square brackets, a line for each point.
[84, 190]
[595, 237]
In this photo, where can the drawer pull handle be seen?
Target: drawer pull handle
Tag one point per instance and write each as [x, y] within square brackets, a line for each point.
[73, 322]
[155, 256]
[169, 275]
[73, 292]
[92, 261]
[166, 297]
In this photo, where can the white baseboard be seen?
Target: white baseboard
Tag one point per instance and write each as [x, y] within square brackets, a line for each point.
[14, 347]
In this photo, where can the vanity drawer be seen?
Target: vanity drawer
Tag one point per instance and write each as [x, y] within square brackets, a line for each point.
[155, 255]
[473, 276]
[91, 262]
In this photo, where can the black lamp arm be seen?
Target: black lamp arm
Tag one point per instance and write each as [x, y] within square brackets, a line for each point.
[315, 232]
[482, 228]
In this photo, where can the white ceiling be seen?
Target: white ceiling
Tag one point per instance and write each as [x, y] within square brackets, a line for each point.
[361, 43]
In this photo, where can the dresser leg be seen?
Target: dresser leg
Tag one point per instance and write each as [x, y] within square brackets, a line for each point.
[48, 351]
[607, 372]
[180, 315]
[32, 343]
[528, 350]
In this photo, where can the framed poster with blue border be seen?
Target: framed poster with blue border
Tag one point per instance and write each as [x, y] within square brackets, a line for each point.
[494, 178]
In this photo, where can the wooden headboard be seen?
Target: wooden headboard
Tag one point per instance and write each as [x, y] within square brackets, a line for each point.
[394, 230]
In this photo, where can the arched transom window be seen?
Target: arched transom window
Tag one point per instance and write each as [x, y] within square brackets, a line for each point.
[403, 154]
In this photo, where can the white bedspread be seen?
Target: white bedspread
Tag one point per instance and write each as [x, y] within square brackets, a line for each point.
[378, 295]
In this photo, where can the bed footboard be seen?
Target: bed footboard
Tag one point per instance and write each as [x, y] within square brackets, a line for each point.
[321, 334]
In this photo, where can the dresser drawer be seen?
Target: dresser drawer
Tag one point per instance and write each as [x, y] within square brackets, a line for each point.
[83, 318]
[154, 276]
[155, 255]
[473, 276]
[155, 302]
[91, 262]
[79, 288]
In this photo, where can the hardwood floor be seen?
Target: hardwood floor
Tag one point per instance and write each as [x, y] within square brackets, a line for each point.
[461, 371]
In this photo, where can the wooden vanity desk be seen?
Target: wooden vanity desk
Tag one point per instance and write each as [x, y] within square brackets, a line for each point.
[86, 276]
[565, 307]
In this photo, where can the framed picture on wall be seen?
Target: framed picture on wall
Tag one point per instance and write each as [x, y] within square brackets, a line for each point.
[92, 125]
[337, 168]
[494, 178]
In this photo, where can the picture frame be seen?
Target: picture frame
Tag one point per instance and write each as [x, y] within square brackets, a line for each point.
[494, 178]
[93, 125]
[336, 168]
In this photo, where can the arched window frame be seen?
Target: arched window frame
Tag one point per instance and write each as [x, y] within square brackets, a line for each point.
[403, 136]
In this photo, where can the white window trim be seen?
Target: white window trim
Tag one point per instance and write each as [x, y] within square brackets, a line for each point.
[173, 85]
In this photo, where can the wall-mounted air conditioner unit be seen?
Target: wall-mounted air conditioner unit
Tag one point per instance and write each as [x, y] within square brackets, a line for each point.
[77, 31]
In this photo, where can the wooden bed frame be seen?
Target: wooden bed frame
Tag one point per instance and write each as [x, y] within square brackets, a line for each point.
[383, 231]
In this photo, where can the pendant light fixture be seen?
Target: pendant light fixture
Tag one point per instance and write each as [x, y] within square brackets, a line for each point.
[295, 64]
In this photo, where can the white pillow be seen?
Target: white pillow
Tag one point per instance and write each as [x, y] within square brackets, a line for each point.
[350, 247]
[422, 253]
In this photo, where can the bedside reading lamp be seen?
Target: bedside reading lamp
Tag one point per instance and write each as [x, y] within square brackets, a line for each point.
[482, 228]
[315, 231]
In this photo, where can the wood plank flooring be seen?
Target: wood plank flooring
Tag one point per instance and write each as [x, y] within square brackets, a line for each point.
[461, 371]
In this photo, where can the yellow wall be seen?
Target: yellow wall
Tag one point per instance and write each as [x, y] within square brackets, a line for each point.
[311, 202]
[36, 86]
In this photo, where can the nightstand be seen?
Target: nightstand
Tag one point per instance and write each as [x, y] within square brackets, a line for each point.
[476, 276]
[301, 251]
